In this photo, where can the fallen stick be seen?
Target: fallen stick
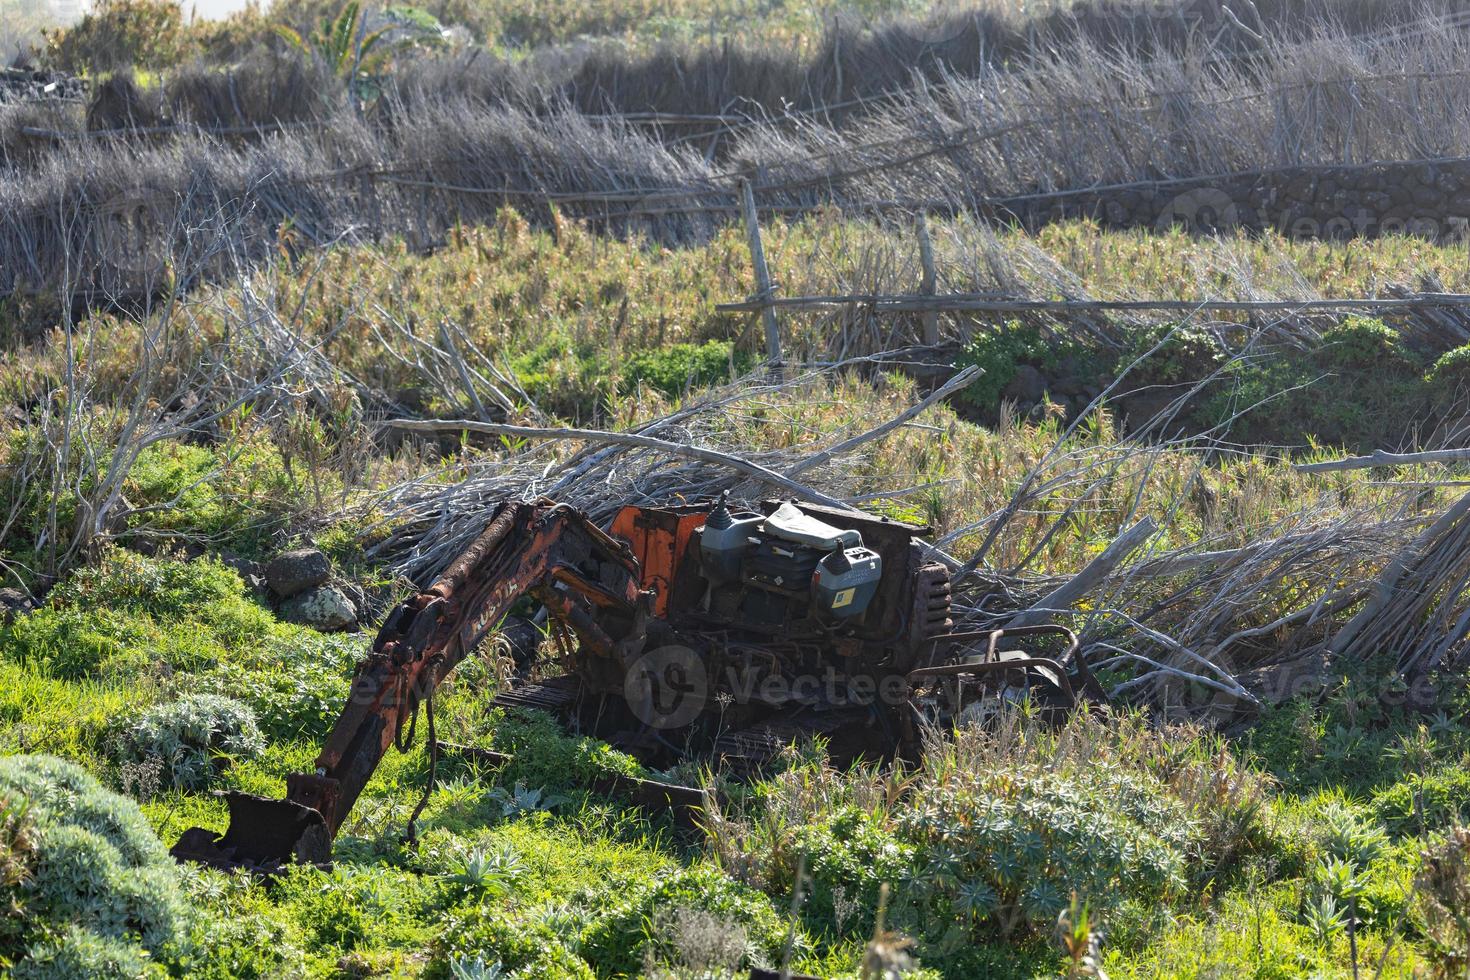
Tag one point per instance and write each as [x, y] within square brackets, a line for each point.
[1382, 458]
[1065, 595]
[980, 302]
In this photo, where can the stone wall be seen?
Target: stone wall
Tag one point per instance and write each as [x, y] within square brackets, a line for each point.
[1430, 200]
[24, 85]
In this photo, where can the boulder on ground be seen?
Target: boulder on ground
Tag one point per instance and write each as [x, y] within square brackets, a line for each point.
[294, 572]
[14, 603]
[324, 608]
[1029, 385]
[252, 573]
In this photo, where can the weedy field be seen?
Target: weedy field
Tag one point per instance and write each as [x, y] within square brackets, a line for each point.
[531, 246]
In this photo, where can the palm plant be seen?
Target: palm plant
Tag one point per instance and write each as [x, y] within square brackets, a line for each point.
[347, 47]
[343, 43]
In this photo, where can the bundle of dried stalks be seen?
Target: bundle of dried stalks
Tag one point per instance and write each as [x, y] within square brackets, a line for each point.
[1079, 116]
[685, 456]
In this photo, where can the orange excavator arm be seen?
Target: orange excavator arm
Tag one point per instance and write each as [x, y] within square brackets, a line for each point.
[550, 553]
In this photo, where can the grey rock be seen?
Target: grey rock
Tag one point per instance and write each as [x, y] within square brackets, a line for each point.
[244, 566]
[324, 608]
[1427, 197]
[251, 572]
[1027, 386]
[359, 598]
[14, 603]
[293, 572]
[1378, 201]
[1070, 386]
[1301, 188]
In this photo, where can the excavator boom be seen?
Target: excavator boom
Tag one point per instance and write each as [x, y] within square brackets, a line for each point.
[698, 628]
[540, 551]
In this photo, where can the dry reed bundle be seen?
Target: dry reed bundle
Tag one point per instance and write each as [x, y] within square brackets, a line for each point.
[1060, 119]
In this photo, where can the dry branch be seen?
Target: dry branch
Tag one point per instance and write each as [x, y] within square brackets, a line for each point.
[1096, 572]
[1381, 458]
[748, 468]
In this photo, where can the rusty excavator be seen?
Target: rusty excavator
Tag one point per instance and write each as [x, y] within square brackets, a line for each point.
[703, 630]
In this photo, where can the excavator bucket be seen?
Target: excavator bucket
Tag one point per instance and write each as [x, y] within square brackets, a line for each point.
[264, 835]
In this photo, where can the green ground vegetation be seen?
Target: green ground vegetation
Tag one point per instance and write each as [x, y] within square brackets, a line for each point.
[1251, 856]
[163, 677]
[1321, 840]
[157, 35]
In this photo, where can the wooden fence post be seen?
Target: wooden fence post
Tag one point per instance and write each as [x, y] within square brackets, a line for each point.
[930, 285]
[764, 290]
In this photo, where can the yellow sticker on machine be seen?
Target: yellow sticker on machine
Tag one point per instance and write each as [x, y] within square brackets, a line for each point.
[843, 598]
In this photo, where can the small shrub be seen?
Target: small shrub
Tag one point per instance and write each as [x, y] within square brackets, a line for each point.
[1443, 887]
[848, 859]
[1349, 837]
[74, 644]
[1440, 800]
[1010, 846]
[162, 587]
[295, 684]
[16, 841]
[1451, 373]
[693, 942]
[190, 737]
[485, 871]
[1185, 355]
[244, 932]
[626, 930]
[78, 952]
[353, 909]
[102, 893]
[116, 34]
[1225, 797]
[236, 493]
[999, 355]
[564, 377]
[487, 933]
[17, 863]
[683, 367]
[1364, 344]
[545, 757]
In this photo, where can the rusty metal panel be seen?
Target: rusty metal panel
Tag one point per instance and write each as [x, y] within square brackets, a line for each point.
[659, 538]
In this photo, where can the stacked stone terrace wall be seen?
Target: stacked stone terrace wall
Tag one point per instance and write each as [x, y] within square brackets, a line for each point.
[1429, 199]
